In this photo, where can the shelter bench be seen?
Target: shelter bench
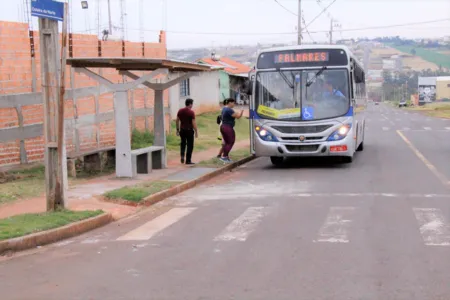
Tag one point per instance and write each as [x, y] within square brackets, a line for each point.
[144, 160]
[93, 160]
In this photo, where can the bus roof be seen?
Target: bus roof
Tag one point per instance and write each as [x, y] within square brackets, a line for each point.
[313, 47]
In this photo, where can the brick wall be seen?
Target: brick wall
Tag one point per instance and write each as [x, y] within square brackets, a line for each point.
[16, 76]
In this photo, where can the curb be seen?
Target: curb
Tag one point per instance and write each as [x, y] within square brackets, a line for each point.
[53, 235]
[155, 198]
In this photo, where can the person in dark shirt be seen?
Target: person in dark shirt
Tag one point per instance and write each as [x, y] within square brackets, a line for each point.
[187, 129]
[227, 128]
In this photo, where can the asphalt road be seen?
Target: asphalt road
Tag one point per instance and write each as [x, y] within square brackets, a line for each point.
[378, 228]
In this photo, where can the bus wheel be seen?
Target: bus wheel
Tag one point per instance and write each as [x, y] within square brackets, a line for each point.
[360, 147]
[347, 159]
[276, 160]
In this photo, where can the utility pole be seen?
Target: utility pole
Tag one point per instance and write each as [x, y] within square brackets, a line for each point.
[109, 14]
[331, 31]
[299, 25]
[53, 93]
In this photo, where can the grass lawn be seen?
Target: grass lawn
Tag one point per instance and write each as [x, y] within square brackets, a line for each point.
[234, 155]
[139, 192]
[27, 183]
[30, 182]
[436, 109]
[208, 130]
[21, 225]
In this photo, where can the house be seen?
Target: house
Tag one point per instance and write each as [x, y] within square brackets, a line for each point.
[204, 89]
[443, 88]
[232, 77]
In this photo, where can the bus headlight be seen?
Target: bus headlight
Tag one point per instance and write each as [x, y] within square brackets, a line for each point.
[340, 133]
[265, 135]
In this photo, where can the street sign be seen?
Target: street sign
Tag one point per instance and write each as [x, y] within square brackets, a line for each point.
[48, 9]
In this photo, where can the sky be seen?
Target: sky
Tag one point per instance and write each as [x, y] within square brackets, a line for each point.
[213, 23]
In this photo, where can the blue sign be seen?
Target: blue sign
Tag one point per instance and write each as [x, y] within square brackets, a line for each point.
[308, 113]
[48, 9]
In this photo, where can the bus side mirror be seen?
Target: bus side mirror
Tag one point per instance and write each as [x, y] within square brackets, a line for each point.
[247, 87]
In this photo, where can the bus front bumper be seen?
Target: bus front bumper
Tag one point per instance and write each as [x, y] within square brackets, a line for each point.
[344, 147]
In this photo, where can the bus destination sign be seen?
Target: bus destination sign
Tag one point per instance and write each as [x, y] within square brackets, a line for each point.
[298, 58]
[293, 57]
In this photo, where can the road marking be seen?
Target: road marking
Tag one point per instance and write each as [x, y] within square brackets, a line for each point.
[427, 128]
[429, 165]
[385, 128]
[151, 228]
[240, 228]
[363, 195]
[336, 226]
[433, 229]
[447, 128]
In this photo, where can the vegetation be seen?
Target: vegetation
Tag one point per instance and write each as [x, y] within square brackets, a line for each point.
[21, 184]
[442, 60]
[21, 225]
[138, 192]
[208, 132]
[234, 155]
[436, 109]
[30, 182]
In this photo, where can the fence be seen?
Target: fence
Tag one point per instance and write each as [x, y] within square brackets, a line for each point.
[89, 108]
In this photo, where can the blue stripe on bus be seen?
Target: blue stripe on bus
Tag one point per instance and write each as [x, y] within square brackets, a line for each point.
[350, 112]
[254, 114]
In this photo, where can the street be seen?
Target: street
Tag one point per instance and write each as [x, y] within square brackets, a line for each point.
[378, 228]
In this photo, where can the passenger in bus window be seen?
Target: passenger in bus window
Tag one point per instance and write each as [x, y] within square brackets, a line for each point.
[329, 89]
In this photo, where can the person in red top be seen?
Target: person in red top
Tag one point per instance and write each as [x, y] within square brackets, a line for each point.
[187, 129]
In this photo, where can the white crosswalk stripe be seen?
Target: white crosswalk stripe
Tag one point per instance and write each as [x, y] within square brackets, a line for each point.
[240, 228]
[427, 128]
[432, 224]
[434, 230]
[336, 226]
[153, 227]
[385, 128]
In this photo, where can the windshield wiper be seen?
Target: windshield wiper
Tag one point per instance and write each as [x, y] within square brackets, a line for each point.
[311, 81]
[291, 85]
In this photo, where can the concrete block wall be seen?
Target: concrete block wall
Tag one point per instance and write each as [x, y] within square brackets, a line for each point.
[17, 76]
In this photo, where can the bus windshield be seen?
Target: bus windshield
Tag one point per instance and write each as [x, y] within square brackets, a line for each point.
[316, 93]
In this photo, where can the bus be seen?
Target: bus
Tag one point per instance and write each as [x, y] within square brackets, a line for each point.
[303, 103]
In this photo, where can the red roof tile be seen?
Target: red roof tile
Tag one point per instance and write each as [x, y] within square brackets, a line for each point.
[231, 66]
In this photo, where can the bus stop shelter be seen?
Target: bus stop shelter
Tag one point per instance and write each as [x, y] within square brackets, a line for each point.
[163, 74]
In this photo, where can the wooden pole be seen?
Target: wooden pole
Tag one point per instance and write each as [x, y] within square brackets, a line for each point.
[60, 186]
[52, 80]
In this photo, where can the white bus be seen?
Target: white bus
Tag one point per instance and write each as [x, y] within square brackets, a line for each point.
[304, 101]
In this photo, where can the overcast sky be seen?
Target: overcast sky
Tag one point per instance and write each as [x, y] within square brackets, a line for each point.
[236, 22]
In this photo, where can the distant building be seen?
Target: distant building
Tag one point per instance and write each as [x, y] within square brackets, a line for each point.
[204, 89]
[232, 77]
[427, 89]
[443, 88]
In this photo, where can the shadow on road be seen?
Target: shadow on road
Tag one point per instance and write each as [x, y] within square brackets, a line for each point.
[313, 163]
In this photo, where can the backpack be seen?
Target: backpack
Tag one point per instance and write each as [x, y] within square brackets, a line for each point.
[219, 119]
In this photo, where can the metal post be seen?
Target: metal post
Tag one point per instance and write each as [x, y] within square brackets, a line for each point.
[50, 64]
[299, 21]
[109, 14]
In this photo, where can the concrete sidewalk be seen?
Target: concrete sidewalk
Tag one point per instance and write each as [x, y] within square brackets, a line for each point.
[85, 196]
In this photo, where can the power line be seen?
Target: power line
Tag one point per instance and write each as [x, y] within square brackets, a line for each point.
[285, 8]
[388, 26]
[324, 10]
[293, 32]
